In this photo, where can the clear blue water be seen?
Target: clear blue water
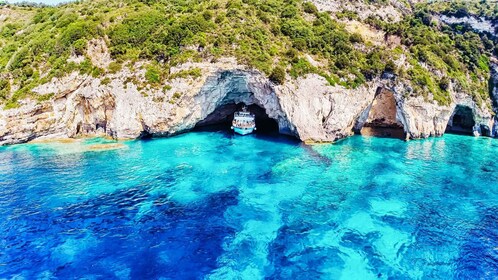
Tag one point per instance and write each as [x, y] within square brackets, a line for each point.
[207, 205]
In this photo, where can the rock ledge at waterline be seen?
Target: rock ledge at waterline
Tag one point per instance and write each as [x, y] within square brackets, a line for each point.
[307, 108]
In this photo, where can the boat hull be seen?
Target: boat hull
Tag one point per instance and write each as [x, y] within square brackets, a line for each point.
[243, 131]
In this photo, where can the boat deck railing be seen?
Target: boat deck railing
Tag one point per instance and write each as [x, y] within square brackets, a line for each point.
[243, 119]
[243, 114]
[243, 124]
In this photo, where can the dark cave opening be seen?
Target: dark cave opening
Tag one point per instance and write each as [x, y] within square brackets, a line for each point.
[382, 120]
[221, 119]
[462, 121]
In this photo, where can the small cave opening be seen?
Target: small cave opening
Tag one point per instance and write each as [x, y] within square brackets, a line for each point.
[462, 121]
[222, 117]
[381, 119]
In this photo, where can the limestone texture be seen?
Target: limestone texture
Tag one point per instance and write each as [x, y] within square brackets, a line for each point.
[308, 107]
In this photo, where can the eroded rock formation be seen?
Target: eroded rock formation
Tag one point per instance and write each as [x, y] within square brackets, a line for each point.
[382, 117]
[494, 97]
[307, 108]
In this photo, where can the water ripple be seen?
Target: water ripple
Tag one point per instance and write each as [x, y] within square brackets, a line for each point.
[209, 205]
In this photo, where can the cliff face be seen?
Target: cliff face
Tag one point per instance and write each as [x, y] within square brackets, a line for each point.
[494, 96]
[352, 44]
[307, 107]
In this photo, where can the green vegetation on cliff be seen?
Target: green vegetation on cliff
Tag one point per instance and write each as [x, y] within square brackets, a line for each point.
[275, 36]
[462, 8]
[438, 53]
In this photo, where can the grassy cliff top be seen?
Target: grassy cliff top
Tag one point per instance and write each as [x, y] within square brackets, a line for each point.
[275, 36]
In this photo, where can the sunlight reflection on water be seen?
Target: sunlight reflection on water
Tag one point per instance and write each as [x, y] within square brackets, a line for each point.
[206, 204]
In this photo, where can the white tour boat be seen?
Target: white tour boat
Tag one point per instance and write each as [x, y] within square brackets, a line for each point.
[243, 122]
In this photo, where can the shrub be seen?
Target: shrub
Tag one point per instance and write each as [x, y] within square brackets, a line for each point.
[355, 38]
[278, 75]
[167, 88]
[105, 81]
[97, 72]
[79, 47]
[41, 16]
[292, 54]
[390, 67]
[193, 72]
[28, 72]
[114, 67]
[347, 14]
[175, 97]
[289, 11]
[310, 8]
[220, 18]
[153, 75]
[85, 67]
[264, 17]
[295, 29]
[76, 31]
[301, 68]
[4, 89]
[207, 15]
[9, 30]
[21, 59]
[135, 30]
[66, 19]
[299, 43]
[45, 97]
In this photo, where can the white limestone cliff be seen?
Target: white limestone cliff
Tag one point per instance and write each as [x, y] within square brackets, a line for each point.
[307, 107]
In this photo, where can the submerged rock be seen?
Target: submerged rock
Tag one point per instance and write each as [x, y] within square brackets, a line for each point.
[106, 147]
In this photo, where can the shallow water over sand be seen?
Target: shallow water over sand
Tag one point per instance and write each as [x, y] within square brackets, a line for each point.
[212, 205]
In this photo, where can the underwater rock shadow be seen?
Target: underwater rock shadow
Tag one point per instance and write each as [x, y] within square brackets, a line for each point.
[479, 255]
[110, 219]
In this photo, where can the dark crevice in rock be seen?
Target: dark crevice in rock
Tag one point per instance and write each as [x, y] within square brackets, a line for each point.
[486, 130]
[145, 134]
[101, 125]
[462, 121]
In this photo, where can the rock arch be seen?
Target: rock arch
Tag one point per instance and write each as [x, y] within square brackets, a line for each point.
[462, 121]
[382, 117]
[227, 91]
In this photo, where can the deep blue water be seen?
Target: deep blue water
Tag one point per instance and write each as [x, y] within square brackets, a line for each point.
[210, 205]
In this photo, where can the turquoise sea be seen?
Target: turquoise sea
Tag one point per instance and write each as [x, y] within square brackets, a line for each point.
[210, 205]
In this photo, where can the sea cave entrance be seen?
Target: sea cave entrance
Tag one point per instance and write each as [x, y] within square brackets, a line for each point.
[228, 91]
[381, 118]
[221, 118]
[462, 121]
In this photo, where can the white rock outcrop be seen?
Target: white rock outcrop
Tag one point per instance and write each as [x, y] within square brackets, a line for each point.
[307, 107]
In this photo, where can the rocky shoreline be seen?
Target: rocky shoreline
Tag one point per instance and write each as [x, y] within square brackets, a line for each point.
[307, 108]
